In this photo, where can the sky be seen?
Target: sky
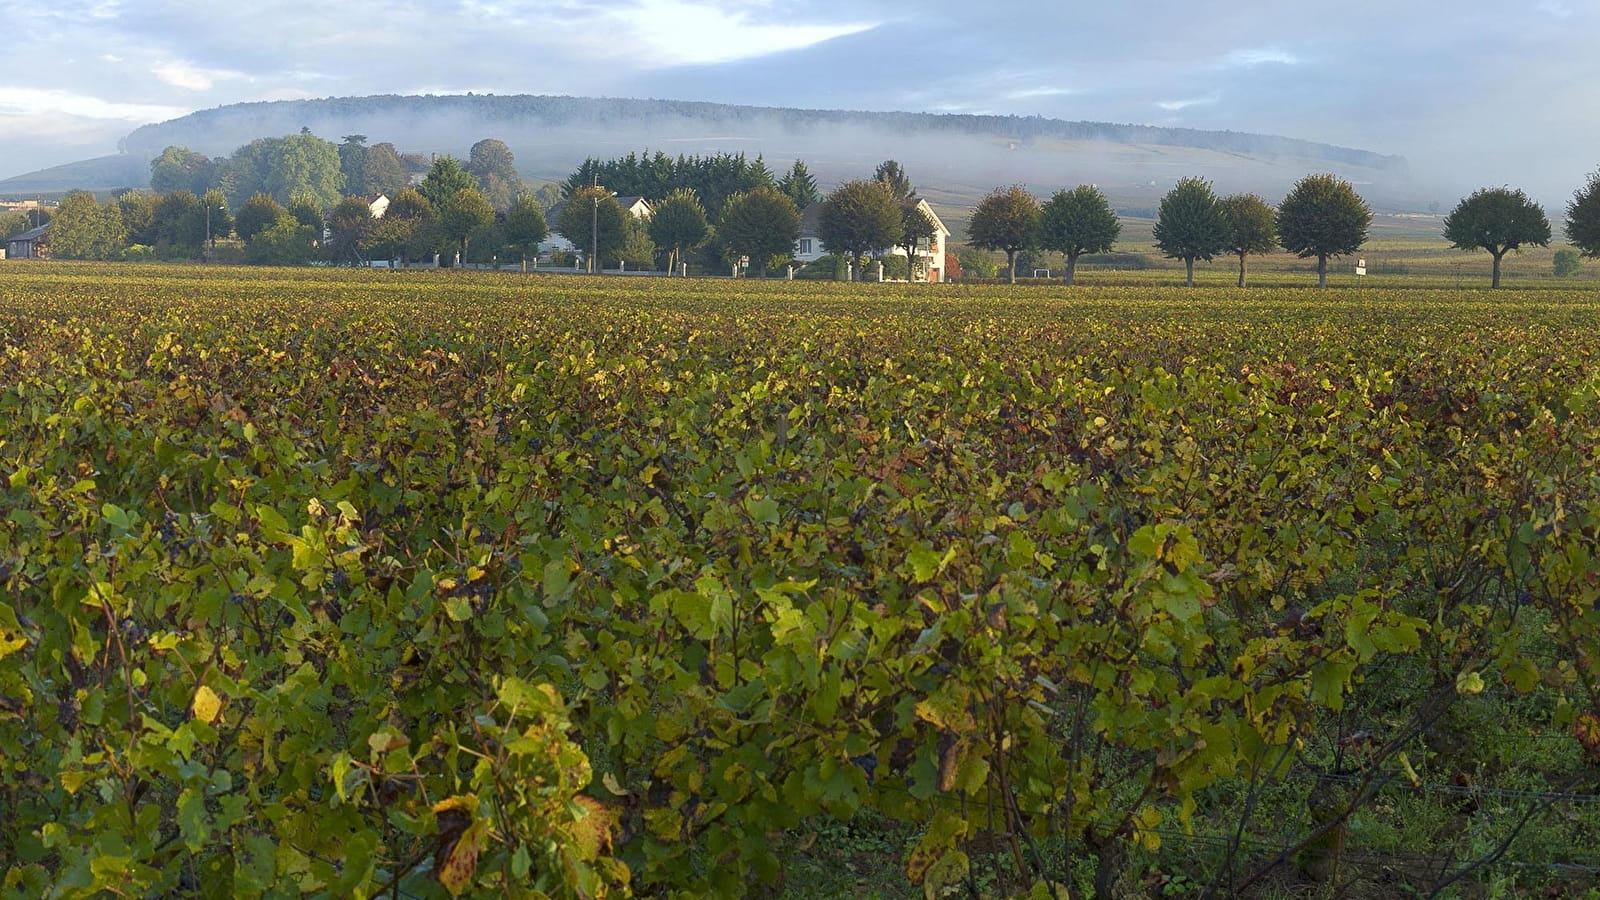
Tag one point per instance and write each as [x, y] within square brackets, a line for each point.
[1472, 93]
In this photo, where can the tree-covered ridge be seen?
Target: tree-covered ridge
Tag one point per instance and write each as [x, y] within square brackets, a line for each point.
[489, 110]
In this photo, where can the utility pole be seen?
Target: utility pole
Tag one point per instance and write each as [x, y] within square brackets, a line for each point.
[594, 223]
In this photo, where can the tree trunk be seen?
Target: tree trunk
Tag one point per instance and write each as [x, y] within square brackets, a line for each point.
[1072, 268]
[1111, 857]
[1011, 265]
[1496, 282]
[1322, 270]
[1188, 266]
[1241, 270]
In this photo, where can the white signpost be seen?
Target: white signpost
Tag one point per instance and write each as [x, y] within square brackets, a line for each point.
[1361, 267]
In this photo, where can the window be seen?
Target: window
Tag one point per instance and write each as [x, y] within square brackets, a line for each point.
[805, 246]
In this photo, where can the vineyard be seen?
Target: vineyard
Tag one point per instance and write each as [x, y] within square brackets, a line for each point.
[340, 584]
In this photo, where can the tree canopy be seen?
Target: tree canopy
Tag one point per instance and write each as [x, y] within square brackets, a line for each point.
[283, 167]
[1252, 227]
[760, 223]
[86, 229]
[525, 226]
[679, 224]
[895, 179]
[257, 215]
[495, 167]
[859, 218]
[1005, 220]
[463, 215]
[1583, 217]
[1498, 220]
[181, 169]
[1323, 216]
[445, 178]
[593, 220]
[799, 184]
[1076, 222]
[916, 227]
[1189, 225]
[348, 225]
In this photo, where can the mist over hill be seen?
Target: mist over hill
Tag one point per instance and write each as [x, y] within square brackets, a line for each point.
[953, 158]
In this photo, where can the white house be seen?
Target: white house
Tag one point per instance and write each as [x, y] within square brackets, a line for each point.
[930, 255]
[636, 206]
[378, 203]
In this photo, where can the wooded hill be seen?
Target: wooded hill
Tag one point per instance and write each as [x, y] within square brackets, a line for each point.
[953, 157]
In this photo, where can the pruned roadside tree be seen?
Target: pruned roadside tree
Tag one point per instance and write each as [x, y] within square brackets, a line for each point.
[594, 222]
[1583, 217]
[463, 215]
[859, 218]
[679, 224]
[403, 230]
[1189, 224]
[525, 227]
[760, 223]
[348, 225]
[1252, 227]
[1005, 220]
[1076, 222]
[1324, 217]
[257, 214]
[1498, 220]
[916, 227]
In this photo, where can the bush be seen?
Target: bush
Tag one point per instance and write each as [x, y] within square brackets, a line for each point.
[825, 268]
[1566, 263]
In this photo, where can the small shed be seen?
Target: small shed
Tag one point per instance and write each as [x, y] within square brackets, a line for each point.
[31, 244]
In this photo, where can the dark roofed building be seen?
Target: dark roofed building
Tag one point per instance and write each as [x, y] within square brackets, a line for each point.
[31, 244]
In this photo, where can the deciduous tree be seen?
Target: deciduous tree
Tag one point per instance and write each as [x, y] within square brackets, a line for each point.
[348, 225]
[1189, 224]
[463, 215]
[525, 226]
[859, 218]
[178, 221]
[283, 167]
[138, 209]
[593, 221]
[85, 229]
[1252, 227]
[1498, 220]
[916, 227]
[1005, 220]
[679, 224]
[760, 223]
[495, 167]
[383, 171]
[1583, 217]
[181, 169]
[256, 215]
[1076, 222]
[1324, 217]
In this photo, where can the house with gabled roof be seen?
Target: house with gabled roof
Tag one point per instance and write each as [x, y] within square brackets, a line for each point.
[31, 244]
[930, 254]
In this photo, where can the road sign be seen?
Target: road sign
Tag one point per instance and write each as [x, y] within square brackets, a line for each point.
[1361, 266]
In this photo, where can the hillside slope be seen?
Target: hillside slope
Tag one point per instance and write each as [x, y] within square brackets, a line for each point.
[954, 156]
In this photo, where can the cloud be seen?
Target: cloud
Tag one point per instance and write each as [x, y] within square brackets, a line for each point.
[37, 102]
[682, 32]
[1260, 56]
[1177, 105]
[190, 77]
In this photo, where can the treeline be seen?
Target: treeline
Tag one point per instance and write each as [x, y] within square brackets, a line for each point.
[525, 110]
